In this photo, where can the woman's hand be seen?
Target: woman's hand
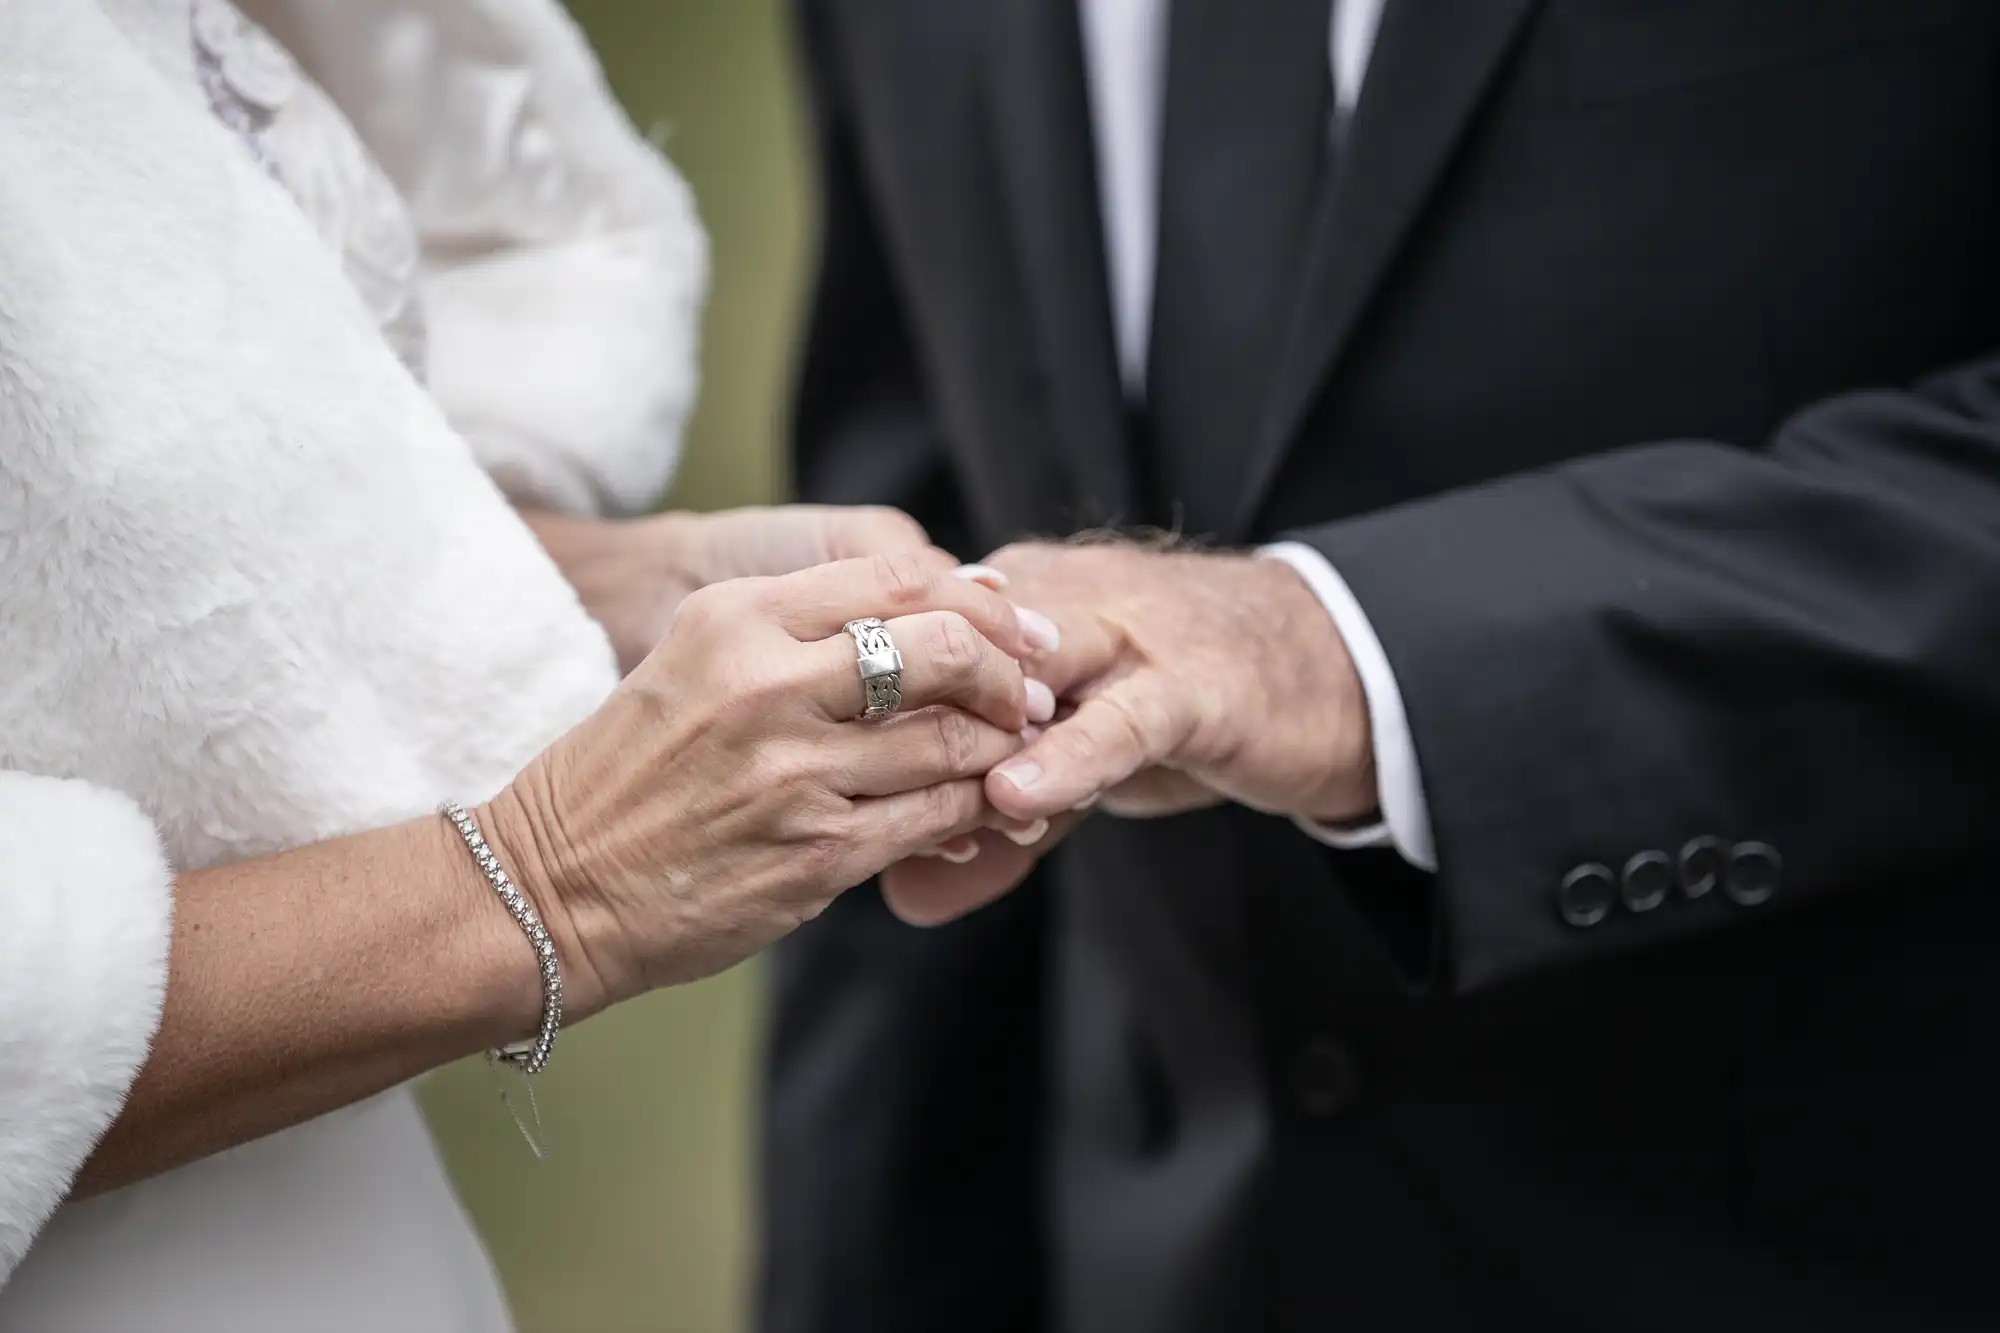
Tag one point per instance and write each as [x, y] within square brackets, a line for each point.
[722, 795]
[632, 574]
[725, 792]
[781, 539]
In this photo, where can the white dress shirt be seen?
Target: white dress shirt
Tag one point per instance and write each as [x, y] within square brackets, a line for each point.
[1125, 48]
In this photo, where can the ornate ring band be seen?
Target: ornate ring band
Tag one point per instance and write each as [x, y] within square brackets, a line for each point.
[881, 667]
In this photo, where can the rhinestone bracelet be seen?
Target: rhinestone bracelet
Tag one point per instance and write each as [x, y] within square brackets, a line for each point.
[531, 1055]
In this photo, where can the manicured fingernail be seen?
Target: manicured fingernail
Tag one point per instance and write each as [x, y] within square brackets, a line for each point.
[1041, 702]
[1030, 835]
[959, 852]
[1030, 734]
[985, 574]
[1041, 632]
[1089, 800]
[1023, 776]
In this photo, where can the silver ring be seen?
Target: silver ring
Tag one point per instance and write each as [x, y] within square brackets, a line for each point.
[881, 666]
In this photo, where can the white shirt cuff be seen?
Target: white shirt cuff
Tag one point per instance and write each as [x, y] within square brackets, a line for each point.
[1399, 783]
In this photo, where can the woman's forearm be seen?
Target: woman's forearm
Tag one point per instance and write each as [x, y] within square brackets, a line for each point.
[302, 982]
[305, 981]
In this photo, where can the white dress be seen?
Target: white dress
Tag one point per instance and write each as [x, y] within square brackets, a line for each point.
[256, 587]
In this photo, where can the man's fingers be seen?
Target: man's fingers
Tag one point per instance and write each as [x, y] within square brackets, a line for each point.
[1066, 583]
[1090, 650]
[1113, 734]
[930, 891]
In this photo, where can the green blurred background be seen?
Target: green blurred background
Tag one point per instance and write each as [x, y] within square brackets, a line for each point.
[641, 1218]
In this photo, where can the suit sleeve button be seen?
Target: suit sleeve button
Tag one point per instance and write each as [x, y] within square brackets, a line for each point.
[1649, 877]
[1754, 870]
[1702, 864]
[1586, 894]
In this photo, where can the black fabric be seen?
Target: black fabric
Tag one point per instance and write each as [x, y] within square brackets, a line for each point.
[1246, 134]
[1641, 373]
[856, 1125]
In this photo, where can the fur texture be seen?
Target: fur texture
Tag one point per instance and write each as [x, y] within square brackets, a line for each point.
[84, 889]
[251, 581]
[565, 267]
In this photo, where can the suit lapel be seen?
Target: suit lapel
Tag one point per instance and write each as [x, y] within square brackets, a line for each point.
[1433, 62]
[1043, 138]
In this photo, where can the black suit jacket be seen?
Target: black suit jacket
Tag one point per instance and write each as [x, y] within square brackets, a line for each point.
[1619, 384]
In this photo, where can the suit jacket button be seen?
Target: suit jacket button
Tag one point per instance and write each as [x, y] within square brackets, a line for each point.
[1702, 864]
[1753, 873]
[1324, 1080]
[1648, 878]
[1586, 895]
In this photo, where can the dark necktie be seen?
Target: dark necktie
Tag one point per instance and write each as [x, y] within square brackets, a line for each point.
[1245, 138]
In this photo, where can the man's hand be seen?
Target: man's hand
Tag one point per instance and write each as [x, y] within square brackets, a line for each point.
[1193, 678]
[1187, 680]
[633, 574]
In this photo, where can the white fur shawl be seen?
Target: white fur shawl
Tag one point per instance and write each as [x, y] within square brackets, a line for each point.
[255, 589]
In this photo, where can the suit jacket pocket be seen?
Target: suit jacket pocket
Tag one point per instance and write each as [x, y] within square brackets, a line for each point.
[1615, 49]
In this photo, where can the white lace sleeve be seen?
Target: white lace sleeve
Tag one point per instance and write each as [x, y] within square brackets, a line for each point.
[565, 267]
[86, 898]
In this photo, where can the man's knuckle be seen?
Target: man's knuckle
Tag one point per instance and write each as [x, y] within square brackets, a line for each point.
[1144, 713]
[1126, 715]
[1130, 726]
[1082, 744]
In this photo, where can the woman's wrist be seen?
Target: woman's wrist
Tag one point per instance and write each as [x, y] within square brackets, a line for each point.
[309, 979]
[524, 836]
[505, 990]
